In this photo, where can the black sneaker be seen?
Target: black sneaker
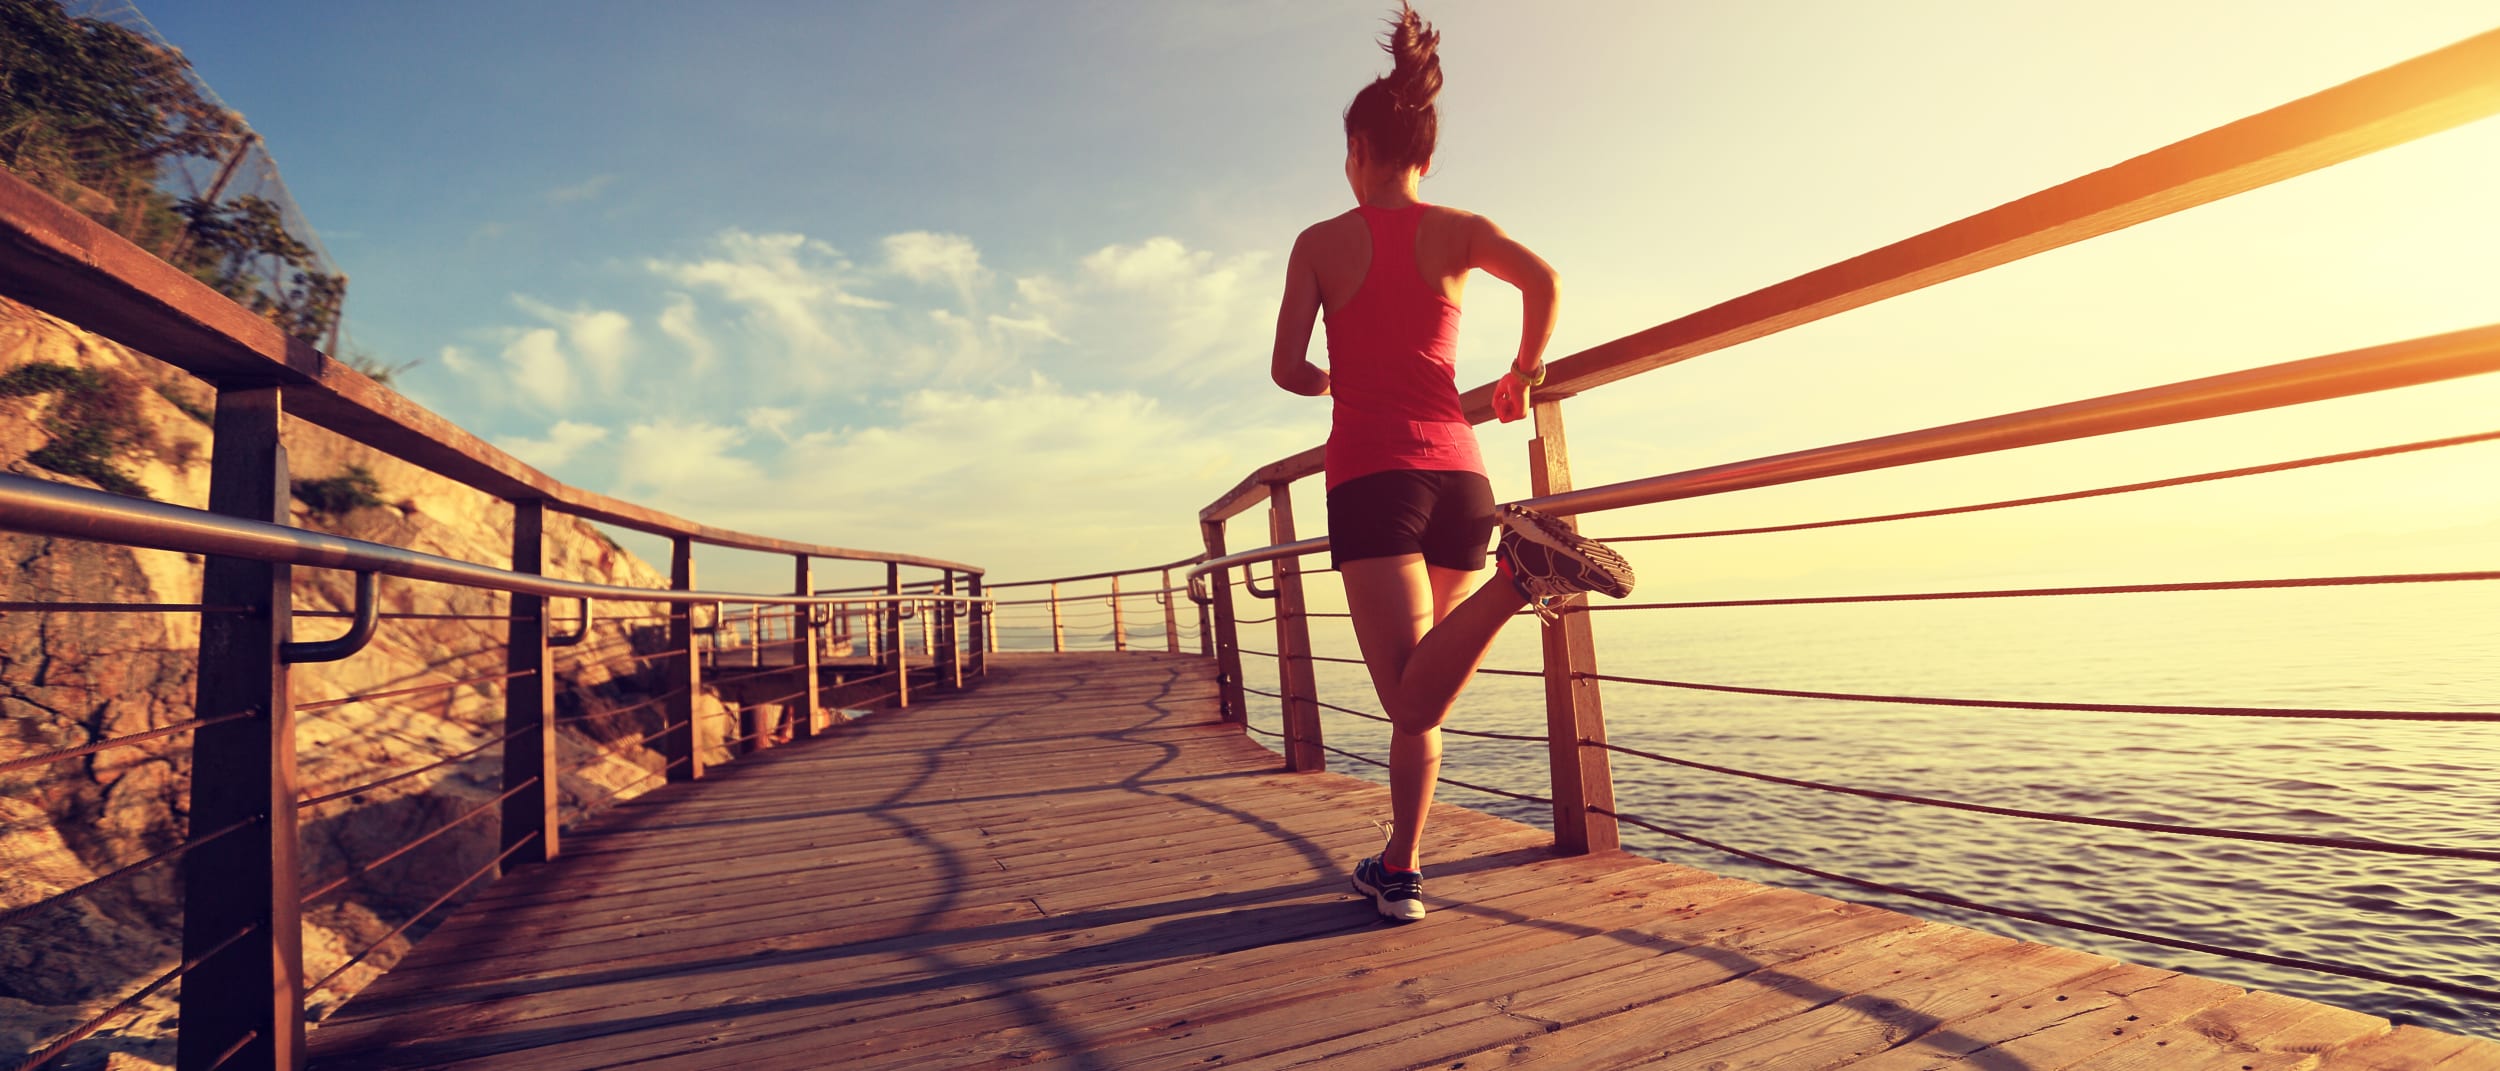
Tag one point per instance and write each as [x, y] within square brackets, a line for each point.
[1550, 561]
[1397, 894]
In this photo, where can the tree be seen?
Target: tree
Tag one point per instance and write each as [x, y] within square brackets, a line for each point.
[93, 113]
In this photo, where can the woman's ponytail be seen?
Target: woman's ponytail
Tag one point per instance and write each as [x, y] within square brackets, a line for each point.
[1394, 117]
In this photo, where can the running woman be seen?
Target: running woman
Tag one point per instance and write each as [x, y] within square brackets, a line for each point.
[1409, 507]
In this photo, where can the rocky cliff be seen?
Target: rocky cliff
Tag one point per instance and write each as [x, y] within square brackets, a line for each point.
[79, 409]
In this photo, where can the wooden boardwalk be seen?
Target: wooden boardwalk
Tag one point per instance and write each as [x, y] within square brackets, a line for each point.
[1074, 867]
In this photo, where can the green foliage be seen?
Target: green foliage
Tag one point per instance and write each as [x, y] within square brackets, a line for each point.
[338, 495]
[94, 420]
[91, 113]
[374, 368]
[184, 402]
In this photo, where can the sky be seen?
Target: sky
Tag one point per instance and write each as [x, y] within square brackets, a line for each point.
[996, 282]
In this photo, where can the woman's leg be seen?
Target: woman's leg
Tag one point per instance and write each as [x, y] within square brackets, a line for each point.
[1422, 642]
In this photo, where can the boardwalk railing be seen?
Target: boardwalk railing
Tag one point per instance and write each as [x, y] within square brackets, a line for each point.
[2435, 92]
[1148, 606]
[242, 967]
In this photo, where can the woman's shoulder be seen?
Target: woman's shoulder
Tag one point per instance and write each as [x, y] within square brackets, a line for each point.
[1335, 232]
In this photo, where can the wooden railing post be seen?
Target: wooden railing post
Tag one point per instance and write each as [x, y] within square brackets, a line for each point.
[897, 659]
[926, 614]
[951, 634]
[682, 745]
[1058, 628]
[529, 701]
[1171, 618]
[243, 771]
[1573, 717]
[1293, 643]
[984, 625]
[1227, 649]
[1119, 624]
[807, 627]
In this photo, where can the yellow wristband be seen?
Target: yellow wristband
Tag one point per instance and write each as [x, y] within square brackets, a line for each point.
[1539, 381]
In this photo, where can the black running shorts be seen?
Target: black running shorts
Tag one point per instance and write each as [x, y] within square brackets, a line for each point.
[1445, 516]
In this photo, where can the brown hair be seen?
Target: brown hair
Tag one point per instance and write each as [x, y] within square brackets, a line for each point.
[1394, 116]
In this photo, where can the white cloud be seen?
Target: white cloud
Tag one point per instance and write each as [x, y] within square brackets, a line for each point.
[458, 361]
[772, 419]
[668, 457]
[925, 257]
[585, 190]
[538, 366]
[679, 321]
[793, 287]
[1022, 479]
[603, 338]
[564, 440]
[1159, 309]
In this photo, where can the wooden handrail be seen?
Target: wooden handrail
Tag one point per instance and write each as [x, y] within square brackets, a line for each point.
[2421, 96]
[54, 259]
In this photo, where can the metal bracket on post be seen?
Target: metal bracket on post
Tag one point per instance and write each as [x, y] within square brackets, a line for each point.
[580, 632]
[359, 632]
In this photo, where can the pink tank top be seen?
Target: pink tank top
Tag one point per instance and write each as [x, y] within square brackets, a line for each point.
[1393, 365]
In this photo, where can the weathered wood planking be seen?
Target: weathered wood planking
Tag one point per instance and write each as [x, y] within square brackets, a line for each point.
[1078, 867]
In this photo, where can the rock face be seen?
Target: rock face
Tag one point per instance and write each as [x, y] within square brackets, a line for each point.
[68, 679]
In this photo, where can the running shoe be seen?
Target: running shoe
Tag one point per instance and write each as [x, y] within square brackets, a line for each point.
[1546, 560]
[1397, 894]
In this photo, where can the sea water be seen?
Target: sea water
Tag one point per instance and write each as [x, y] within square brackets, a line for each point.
[2428, 648]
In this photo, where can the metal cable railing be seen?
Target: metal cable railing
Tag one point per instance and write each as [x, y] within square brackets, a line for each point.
[2076, 496]
[64, 754]
[2406, 980]
[324, 890]
[2304, 135]
[314, 801]
[2340, 843]
[474, 877]
[121, 872]
[421, 689]
[2094, 708]
[131, 1003]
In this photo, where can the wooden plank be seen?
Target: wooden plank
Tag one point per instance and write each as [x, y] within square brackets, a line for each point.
[927, 914]
[2411, 1048]
[2256, 1031]
[2056, 1024]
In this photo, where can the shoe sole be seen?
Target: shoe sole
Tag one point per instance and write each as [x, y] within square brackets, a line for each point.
[1595, 557]
[1382, 906]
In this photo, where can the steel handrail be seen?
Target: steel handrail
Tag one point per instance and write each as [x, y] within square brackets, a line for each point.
[986, 586]
[2436, 91]
[42, 507]
[2454, 355]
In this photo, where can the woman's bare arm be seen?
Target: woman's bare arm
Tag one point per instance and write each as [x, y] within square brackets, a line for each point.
[1502, 258]
[1291, 366]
